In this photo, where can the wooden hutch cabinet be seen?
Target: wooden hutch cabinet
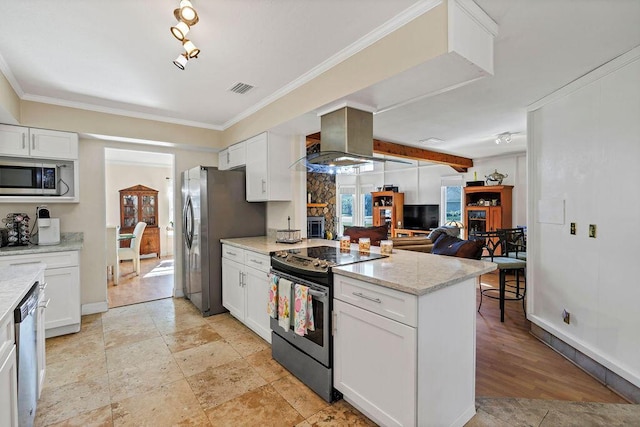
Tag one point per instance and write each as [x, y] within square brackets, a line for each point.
[140, 204]
[387, 209]
[487, 208]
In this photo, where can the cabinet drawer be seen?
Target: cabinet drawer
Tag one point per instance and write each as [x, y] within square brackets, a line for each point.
[7, 337]
[389, 303]
[233, 253]
[51, 259]
[256, 260]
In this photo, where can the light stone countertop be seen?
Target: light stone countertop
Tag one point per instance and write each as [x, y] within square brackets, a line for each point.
[415, 273]
[68, 242]
[15, 282]
[265, 245]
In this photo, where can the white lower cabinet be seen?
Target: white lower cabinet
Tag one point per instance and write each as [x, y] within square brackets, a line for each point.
[375, 364]
[403, 359]
[257, 288]
[245, 288]
[9, 390]
[62, 276]
[40, 345]
[8, 373]
[232, 288]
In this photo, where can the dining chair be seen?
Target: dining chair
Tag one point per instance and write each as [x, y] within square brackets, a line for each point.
[495, 248]
[132, 252]
[515, 242]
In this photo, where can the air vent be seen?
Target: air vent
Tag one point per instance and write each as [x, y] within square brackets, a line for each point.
[241, 88]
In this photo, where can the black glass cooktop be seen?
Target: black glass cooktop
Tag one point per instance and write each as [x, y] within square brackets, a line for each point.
[334, 255]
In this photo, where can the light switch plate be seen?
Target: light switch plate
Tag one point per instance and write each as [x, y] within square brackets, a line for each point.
[592, 230]
[572, 230]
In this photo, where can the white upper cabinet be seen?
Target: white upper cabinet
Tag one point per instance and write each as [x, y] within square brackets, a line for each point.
[232, 157]
[268, 173]
[18, 141]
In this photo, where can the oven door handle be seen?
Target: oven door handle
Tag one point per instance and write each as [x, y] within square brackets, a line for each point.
[317, 293]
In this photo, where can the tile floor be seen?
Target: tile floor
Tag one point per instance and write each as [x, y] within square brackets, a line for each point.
[161, 364]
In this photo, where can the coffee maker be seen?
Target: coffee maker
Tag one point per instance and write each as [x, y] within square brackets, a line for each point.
[48, 228]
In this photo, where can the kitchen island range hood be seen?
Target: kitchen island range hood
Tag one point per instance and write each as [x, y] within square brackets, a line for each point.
[346, 143]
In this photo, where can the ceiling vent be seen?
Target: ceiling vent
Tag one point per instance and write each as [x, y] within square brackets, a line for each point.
[241, 88]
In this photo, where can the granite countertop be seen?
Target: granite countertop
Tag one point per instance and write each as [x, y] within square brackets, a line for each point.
[15, 282]
[68, 242]
[266, 245]
[415, 273]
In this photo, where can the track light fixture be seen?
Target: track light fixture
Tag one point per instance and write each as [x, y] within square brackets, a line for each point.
[187, 17]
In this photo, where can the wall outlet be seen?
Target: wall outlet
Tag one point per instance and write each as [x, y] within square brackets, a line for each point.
[592, 230]
[572, 229]
[566, 316]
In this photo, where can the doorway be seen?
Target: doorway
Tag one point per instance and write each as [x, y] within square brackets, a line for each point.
[126, 169]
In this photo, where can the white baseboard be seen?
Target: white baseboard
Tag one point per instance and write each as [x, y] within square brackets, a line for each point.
[95, 307]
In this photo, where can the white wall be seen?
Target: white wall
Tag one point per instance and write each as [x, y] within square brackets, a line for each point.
[120, 176]
[584, 150]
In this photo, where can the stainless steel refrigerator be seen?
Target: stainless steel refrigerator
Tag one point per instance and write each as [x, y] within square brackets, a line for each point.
[214, 207]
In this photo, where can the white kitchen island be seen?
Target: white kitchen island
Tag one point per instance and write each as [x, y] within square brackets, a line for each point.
[404, 334]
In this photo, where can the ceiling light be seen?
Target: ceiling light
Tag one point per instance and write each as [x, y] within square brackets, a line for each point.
[181, 61]
[191, 49]
[503, 138]
[186, 13]
[180, 30]
[187, 17]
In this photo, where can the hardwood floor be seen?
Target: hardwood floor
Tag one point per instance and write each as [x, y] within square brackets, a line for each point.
[510, 362]
[154, 282]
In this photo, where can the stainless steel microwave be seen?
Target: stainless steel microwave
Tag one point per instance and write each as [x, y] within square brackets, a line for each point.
[28, 179]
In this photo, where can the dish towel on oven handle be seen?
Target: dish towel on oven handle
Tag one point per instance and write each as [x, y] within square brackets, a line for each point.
[272, 304]
[284, 302]
[303, 310]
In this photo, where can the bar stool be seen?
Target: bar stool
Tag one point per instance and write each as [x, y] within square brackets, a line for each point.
[495, 246]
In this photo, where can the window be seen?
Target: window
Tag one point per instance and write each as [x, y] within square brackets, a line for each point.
[346, 207]
[355, 206]
[451, 199]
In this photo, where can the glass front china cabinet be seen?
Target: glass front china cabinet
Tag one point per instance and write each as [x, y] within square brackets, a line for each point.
[140, 204]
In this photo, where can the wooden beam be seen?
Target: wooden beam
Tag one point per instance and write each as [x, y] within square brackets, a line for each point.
[460, 164]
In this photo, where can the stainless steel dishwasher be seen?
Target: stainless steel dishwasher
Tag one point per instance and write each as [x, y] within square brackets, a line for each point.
[26, 343]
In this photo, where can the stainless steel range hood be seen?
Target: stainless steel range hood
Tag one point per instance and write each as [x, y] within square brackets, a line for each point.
[346, 143]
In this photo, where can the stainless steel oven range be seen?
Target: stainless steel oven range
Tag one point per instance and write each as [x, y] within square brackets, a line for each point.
[310, 357]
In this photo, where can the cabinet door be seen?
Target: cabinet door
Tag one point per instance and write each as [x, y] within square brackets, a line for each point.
[257, 158]
[495, 218]
[53, 144]
[42, 361]
[9, 390]
[232, 288]
[223, 159]
[150, 243]
[63, 288]
[257, 291]
[148, 209]
[237, 155]
[370, 350]
[14, 140]
[129, 210]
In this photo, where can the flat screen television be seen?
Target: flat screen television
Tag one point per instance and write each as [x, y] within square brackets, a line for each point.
[421, 217]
